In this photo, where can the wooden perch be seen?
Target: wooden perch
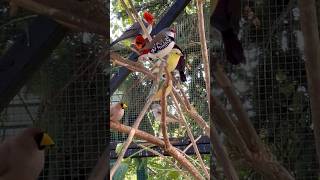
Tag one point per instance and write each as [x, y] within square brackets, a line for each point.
[255, 153]
[204, 48]
[152, 139]
[88, 16]
[309, 27]
[133, 66]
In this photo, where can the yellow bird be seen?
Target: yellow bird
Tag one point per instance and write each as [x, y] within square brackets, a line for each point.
[117, 111]
[172, 60]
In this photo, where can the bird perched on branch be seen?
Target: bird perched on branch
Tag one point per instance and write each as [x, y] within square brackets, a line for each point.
[135, 29]
[160, 46]
[117, 111]
[226, 18]
[22, 156]
[175, 60]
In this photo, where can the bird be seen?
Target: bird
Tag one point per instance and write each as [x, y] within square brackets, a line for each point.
[117, 111]
[156, 111]
[158, 94]
[160, 46]
[175, 61]
[181, 65]
[22, 156]
[225, 18]
[135, 29]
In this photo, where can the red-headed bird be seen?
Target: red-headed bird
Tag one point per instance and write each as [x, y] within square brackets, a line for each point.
[135, 29]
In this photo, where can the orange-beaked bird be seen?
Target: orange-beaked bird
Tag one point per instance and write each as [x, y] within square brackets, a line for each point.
[22, 156]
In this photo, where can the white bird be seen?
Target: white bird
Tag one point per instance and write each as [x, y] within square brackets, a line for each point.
[22, 156]
[117, 111]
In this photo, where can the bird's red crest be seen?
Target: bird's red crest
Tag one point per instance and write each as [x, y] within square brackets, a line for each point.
[140, 39]
[148, 17]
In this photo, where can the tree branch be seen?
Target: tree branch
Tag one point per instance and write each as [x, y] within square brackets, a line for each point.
[309, 27]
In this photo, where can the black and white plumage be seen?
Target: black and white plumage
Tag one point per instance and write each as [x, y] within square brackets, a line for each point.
[225, 18]
[161, 44]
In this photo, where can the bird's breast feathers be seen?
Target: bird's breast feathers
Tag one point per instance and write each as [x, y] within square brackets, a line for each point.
[159, 46]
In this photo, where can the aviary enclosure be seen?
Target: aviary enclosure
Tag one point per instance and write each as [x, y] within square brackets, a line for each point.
[68, 93]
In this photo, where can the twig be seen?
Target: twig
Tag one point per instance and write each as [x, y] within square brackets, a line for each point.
[244, 126]
[130, 137]
[189, 146]
[204, 49]
[195, 147]
[154, 140]
[135, 18]
[137, 123]
[133, 66]
[163, 103]
[166, 159]
[198, 119]
[63, 16]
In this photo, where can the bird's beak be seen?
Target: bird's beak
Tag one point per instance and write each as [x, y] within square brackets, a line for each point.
[125, 106]
[46, 140]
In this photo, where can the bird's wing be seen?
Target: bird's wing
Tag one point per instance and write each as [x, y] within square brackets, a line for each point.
[4, 150]
[157, 38]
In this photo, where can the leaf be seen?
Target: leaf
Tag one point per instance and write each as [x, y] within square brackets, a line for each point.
[121, 171]
[119, 148]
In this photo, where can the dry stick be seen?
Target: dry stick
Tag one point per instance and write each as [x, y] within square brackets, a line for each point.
[166, 159]
[309, 27]
[137, 122]
[194, 115]
[244, 124]
[221, 153]
[154, 140]
[135, 18]
[189, 146]
[261, 159]
[130, 137]
[163, 103]
[204, 49]
[145, 31]
[195, 147]
[133, 66]
[63, 16]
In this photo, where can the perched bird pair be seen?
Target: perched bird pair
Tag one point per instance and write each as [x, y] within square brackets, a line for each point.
[226, 18]
[135, 29]
[22, 156]
[163, 45]
[117, 111]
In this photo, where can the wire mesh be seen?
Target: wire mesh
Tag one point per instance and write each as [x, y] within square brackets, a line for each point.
[135, 93]
[273, 85]
[66, 97]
